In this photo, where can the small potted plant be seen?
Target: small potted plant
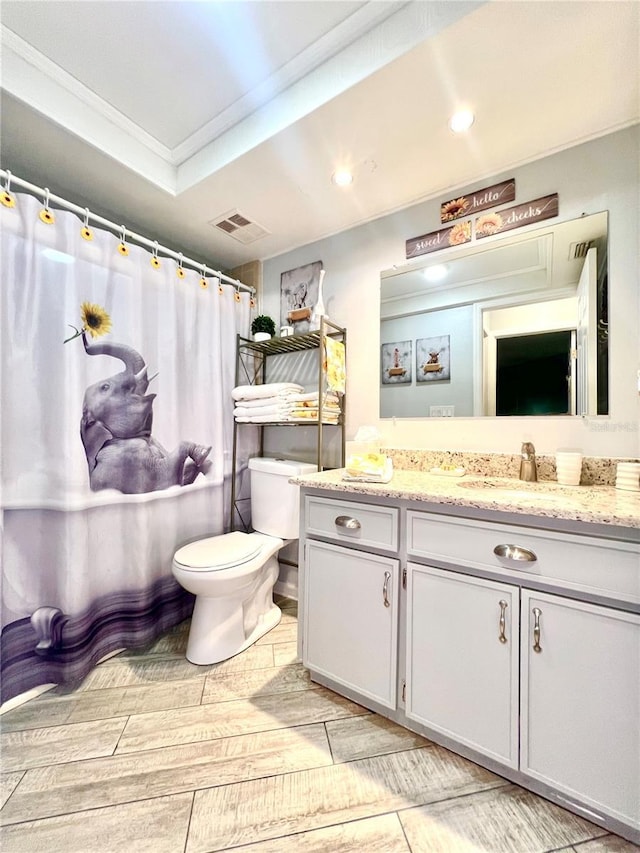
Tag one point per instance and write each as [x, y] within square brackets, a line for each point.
[263, 328]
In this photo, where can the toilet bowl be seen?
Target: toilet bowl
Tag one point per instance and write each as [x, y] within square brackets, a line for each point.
[232, 575]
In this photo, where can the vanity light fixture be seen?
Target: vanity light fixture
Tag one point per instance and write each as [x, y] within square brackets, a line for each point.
[435, 273]
[461, 121]
[342, 178]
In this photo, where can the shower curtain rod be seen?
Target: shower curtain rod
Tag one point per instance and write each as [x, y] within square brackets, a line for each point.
[8, 179]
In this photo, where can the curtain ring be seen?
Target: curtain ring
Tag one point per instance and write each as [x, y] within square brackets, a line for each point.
[236, 294]
[85, 232]
[45, 214]
[203, 281]
[180, 271]
[6, 198]
[155, 260]
[252, 301]
[122, 246]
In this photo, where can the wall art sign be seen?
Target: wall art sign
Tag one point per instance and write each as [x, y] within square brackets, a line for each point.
[515, 217]
[479, 200]
[455, 235]
[433, 359]
[298, 295]
[395, 362]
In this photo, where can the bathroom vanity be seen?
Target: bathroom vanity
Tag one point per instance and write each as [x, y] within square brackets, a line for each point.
[499, 619]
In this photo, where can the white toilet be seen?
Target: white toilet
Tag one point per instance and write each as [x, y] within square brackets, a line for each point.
[232, 576]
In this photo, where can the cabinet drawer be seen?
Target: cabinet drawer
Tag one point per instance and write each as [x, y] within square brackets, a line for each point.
[598, 567]
[357, 523]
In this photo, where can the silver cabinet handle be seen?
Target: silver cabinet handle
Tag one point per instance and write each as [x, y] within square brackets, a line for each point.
[536, 630]
[385, 589]
[515, 552]
[348, 522]
[502, 636]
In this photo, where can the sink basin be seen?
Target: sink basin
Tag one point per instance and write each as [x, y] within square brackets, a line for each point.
[520, 489]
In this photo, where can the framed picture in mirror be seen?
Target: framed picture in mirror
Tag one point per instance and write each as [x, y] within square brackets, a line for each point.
[395, 359]
[433, 359]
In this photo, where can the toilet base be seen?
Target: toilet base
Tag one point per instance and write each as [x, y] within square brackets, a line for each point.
[222, 627]
[220, 636]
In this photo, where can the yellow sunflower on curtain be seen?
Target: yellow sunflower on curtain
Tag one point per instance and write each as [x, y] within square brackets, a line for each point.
[95, 320]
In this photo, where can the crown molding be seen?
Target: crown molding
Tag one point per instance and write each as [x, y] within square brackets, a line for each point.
[31, 77]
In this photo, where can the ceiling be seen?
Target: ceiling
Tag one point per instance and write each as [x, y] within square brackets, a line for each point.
[170, 116]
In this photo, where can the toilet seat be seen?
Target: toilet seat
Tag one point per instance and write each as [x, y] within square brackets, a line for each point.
[218, 552]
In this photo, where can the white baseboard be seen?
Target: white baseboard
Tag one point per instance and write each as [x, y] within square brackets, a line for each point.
[287, 583]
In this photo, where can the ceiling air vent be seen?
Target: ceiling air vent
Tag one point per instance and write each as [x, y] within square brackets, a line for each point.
[579, 250]
[238, 226]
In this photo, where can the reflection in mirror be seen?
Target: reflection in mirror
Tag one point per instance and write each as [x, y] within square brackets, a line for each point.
[516, 325]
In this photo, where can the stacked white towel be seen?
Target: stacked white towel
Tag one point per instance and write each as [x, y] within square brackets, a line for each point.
[283, 401]
[270, 389]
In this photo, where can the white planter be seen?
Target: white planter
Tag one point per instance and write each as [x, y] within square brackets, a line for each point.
[261, 336]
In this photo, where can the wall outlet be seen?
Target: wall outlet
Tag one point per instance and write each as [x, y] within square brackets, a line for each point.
[435, 411]
[447, 411]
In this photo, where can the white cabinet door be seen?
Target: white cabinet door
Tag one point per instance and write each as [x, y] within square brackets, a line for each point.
[351, 619]
[462, 666]
[581, 701]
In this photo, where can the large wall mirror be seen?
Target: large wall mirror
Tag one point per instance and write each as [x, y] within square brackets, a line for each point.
[511, 325]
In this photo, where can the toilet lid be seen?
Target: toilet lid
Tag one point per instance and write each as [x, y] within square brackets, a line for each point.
[218, 552]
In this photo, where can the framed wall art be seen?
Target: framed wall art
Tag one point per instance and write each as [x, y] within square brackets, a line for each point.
[433, 359]
[396, 363]
[298, 295]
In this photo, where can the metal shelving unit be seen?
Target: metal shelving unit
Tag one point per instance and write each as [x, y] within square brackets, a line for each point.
[251, 369]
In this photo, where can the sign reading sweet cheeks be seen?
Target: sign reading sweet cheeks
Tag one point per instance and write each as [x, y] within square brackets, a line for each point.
[486, 225]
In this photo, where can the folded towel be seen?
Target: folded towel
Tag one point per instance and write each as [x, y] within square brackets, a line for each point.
[368, 468]
[271, 389]
[286, 418]
[254, 411]
[313, 413]
[326, 419]
[282, 399]
[314, 404]
[334, 365]
[314, 396]
[261, 419]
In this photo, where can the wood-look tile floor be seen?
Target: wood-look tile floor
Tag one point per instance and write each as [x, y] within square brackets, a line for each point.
[152, 753]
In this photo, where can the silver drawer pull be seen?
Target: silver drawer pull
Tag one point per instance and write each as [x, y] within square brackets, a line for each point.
[502, 636]
[515, 552]
[348, 522]
[385, 589]
[536, 629]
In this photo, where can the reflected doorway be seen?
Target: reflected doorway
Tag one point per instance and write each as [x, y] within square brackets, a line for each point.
[534, 374]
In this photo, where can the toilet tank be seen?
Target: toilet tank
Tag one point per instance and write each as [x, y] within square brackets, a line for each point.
[275, 502]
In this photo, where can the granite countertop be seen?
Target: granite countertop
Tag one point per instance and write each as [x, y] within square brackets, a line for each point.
[591, 504]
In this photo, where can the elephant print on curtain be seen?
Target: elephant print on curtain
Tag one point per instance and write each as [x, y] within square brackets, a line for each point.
[116, 431]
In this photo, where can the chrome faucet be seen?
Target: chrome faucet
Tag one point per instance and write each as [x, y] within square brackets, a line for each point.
[528, 470]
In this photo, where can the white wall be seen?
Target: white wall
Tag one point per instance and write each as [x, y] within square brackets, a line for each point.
[599, 175]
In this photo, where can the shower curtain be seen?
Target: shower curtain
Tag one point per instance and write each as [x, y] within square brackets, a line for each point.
[116, 433]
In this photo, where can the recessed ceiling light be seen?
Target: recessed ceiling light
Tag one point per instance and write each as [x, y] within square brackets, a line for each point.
[435, 273]
[342, 178]
[461, 121]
